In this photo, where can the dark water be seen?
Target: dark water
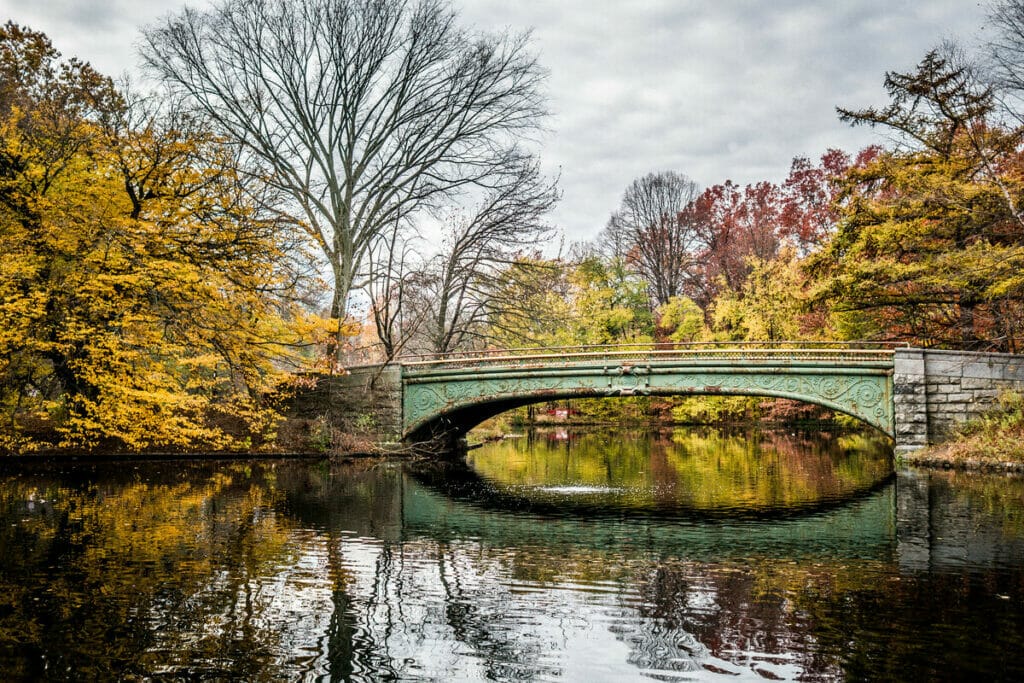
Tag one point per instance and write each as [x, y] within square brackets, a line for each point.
[593, 557]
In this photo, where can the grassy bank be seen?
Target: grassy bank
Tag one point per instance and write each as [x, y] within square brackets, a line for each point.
[994, 441]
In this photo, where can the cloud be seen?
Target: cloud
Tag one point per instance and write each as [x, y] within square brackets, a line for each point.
[725, 90]
[102, 33]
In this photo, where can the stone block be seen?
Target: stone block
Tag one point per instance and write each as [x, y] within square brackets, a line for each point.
[1014, 372]
[910, 413]
[909, 362]
[903, 378]
[908, 392]
[976, 383]
[982, 370]
[944, 368]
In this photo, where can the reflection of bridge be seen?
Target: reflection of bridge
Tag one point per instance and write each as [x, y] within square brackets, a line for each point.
[912, 395]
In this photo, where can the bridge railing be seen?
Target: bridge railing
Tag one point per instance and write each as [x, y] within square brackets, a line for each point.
[732, 351]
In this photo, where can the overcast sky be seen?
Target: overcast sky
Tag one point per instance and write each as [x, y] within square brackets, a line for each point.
[715, 89]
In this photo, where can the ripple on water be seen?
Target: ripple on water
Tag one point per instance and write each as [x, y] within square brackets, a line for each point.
[579, 490]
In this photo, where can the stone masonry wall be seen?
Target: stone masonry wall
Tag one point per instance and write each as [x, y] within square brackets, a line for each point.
[934, 390]
[367, 402]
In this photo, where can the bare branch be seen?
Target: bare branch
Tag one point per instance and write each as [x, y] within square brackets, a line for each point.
[365, 111]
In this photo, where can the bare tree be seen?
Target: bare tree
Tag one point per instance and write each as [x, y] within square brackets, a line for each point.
[366, 111]
[1007, 47]
[391, 281]
[652, 229]
[462, 288]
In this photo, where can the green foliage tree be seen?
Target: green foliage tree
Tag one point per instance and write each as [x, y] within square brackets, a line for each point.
[680, 319]
[772, 305]
[610, 303]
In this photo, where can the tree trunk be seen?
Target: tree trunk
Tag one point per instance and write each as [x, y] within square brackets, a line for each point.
[968, 339]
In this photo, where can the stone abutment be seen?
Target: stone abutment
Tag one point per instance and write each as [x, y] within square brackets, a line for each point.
[933, 391]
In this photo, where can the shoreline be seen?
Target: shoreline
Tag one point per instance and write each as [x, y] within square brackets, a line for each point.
[940, 458]
[937, 457]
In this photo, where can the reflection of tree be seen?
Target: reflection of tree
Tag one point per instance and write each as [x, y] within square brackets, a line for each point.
[722, 610]
[355, 645]
[949, 627]
[703, 469]
[379, 624]
[341, 632]
[860, 621]
[360, 498]
[118, 578]
[477, 619]
[353, 572]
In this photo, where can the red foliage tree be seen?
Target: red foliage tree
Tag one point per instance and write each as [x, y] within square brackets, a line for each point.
[736, 224]
[810, 194]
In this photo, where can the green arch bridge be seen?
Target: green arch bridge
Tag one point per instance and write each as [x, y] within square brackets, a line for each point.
[455, 394]
[913, 395]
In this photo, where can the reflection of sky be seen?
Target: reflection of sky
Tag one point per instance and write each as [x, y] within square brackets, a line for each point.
[578, 490]
[424, 610]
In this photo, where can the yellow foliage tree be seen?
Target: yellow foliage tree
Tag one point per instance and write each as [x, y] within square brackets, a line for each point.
[148, 298]
[772, 305]
[681, 320]
[929, 244]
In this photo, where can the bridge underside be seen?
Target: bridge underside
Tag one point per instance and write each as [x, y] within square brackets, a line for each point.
[452, 400]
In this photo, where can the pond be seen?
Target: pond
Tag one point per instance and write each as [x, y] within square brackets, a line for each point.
[560, 555]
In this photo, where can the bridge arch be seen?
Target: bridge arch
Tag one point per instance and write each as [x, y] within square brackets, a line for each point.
[453, 396]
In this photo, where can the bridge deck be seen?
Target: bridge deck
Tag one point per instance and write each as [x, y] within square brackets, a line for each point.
[914, 395]
[692, 354]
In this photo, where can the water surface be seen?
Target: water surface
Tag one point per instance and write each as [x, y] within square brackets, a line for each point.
[693, 555]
